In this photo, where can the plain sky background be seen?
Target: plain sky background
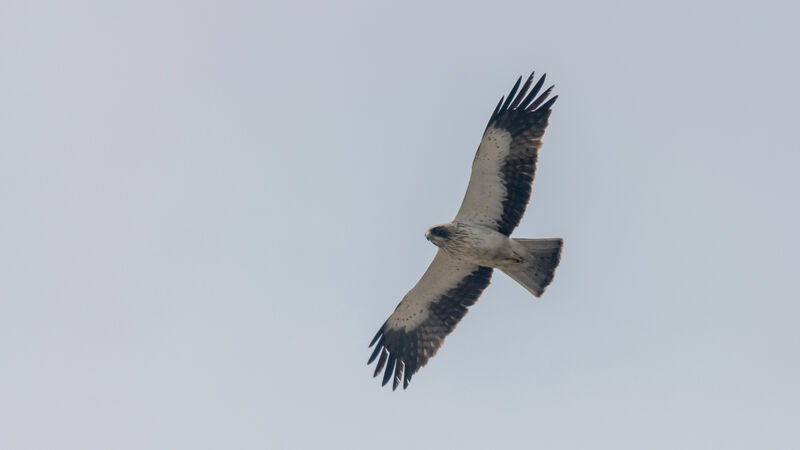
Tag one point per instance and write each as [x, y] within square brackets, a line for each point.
[208, 209]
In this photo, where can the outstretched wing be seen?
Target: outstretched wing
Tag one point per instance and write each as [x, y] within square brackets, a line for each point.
[502, 172]
[428, 313]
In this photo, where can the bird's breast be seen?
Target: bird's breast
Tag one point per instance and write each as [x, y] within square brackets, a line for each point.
[480, 245]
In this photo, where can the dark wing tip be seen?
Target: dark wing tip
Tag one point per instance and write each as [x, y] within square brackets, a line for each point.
[511, 94]
[398, 374]
[410, 369]
[538, 102]
[549, 103]
[496, 112]
[532, 94]
[381, 362]
[387, 374]
[522, 92]
[521, 99]
[377, 350]
[390, 363]
[377, 335]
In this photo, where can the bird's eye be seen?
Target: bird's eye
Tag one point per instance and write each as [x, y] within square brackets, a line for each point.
[439, 232]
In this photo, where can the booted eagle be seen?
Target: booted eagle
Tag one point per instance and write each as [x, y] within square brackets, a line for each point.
[478, 240]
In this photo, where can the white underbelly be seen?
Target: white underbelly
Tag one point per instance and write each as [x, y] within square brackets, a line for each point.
[480, 245]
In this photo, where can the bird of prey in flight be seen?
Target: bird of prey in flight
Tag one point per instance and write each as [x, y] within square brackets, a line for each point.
[478, 240]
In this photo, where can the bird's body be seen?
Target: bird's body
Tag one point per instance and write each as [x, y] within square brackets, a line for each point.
[477, 241]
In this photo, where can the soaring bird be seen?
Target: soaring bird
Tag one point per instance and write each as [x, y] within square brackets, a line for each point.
[478, 240]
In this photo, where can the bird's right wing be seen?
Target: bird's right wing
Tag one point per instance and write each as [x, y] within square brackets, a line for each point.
[426, 315]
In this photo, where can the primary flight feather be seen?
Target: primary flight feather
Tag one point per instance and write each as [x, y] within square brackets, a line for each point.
[477, 240]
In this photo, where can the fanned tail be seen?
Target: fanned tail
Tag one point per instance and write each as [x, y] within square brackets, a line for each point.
[540, 257]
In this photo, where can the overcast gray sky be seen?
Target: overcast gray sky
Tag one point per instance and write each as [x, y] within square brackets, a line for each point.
[208, 209]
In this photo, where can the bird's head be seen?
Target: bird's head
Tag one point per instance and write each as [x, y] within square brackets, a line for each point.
[439, 234]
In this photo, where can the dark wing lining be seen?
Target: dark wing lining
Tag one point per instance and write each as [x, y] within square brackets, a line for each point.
[403, 352]
[525, 116]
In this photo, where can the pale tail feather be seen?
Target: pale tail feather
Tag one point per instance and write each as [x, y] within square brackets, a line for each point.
[539, 261]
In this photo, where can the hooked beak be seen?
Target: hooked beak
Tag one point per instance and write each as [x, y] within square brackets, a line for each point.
[428, 235]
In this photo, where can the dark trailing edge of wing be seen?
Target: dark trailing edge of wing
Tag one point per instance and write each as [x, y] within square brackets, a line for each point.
[403, 352]
[524, 114]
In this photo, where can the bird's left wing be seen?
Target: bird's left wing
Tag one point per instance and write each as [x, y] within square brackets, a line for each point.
[502, 171]
[426, 315]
